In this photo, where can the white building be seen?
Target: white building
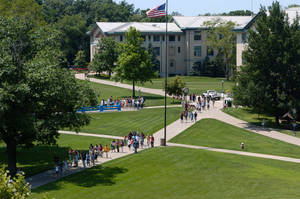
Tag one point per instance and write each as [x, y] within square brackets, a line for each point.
[186, 39]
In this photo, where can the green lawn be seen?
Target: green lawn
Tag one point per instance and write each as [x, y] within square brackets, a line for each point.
[248, 115]
[214, 133]
[196, 85]
[40, 158]
[180, 173]
[120, 123]
[105, 91]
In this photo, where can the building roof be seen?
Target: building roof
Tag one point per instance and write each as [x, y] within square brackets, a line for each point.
[198, 21]
[121, 27]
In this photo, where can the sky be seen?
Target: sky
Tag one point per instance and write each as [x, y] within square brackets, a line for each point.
[196, 7]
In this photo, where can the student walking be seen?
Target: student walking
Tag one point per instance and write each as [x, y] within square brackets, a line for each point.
[152, 141]
[106, 150]
[195, 116]
[181, 117]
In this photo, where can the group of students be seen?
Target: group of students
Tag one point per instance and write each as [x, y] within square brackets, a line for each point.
[89, 158]
[192, 115]
[127, 102]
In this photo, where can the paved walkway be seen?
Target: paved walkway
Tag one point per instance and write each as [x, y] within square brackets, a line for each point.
[121, 85]
[258, 155]
[172, 130]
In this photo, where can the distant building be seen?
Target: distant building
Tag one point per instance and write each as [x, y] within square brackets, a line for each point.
[186, 38]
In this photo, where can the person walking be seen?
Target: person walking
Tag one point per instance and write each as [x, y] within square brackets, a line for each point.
[195, 116]
[106, 150]
[118, 146]
[83, 158]
[152, 141]
[181, 117]
[191, 116]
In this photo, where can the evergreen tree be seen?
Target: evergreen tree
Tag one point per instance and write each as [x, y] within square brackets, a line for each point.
[80, 60]
[270, 79]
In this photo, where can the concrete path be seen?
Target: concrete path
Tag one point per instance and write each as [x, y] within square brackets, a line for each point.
[121, 85]
[259, 155]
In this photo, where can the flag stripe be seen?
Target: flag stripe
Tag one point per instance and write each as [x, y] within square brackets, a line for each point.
[158, 11]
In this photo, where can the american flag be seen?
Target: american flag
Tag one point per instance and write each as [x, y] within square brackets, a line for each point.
[158, 11]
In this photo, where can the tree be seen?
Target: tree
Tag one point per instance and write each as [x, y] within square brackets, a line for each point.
[106, 56]
[26, 9]
[175, 87]
[74, 35]
[269, 81]
[80, 60]
[37, 95]
[134, 62]
[222, 38]
[18, 188]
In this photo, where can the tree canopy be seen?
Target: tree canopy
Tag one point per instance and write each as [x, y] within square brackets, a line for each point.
[269, 81]
[37, 95]
[222, 39]
[106, 56]
[134, 62]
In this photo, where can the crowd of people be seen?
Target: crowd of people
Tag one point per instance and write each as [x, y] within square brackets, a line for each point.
[127, 102]
[89, 158]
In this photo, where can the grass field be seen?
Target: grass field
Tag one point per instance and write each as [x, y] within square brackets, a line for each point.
[120, 123]
[40, 158]
[250, 116]
[214, 133]
[197, 85]
[105, 91]
[180, 173]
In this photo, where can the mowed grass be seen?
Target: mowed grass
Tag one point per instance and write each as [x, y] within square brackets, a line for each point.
[248, 115]
[105, 91]
[197, 85]
[214, 133]
[147, 121]
[180, 173]
[40, 158]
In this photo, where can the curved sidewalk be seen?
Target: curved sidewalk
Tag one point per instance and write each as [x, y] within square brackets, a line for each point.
[121, 85]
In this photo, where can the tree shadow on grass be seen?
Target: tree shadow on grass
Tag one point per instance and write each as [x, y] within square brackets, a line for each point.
[89, 178]
[36, 159]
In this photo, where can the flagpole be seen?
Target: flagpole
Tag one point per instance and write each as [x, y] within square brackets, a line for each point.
[166, 76]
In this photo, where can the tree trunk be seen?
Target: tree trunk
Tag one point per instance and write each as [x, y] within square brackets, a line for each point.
[277, 120]
[109, 74]
[133, 89]
[12, 159]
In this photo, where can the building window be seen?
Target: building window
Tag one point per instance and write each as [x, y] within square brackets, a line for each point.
[121, 38]
[220, 36]
[178, 50]
[197, 36]
[163, 38]
[144, 37]
[172, 38]
[179, 38]
[149, 37]
[156, 38]
[171, 51]
[172, 63]
[156, 51]
[197, 51]
[244, 37]
[209, 51]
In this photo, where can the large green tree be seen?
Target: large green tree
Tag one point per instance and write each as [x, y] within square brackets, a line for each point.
[222, 38]
[106, 56]
[37, 96]
[134, 63]
[270, 81]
